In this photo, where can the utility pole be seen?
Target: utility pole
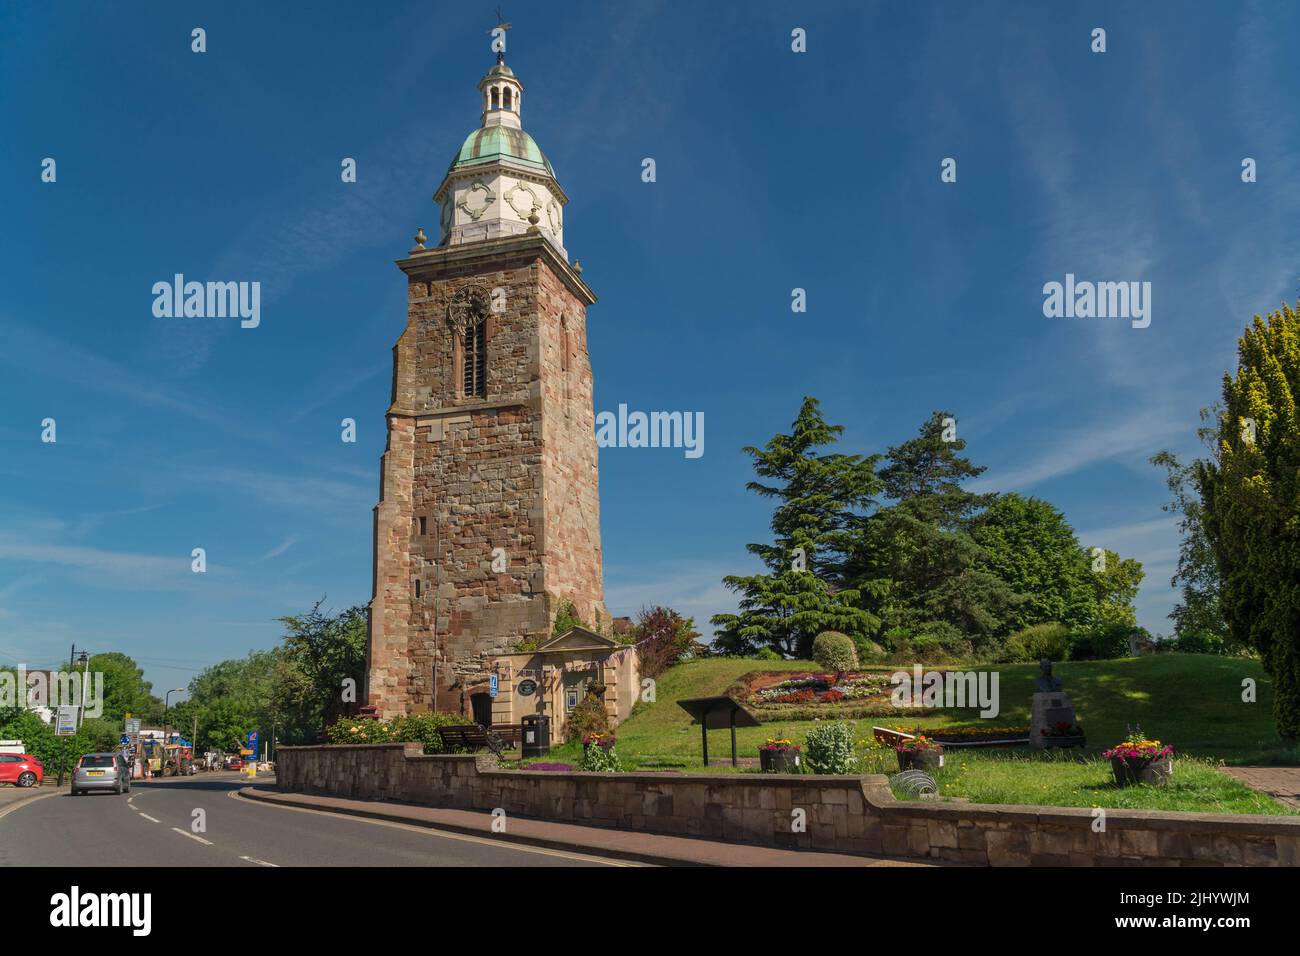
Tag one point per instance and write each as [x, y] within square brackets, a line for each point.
[81, 710]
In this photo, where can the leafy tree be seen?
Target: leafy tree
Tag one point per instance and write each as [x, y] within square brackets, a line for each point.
[1198, 619]
[1251, 498]
[1030, 545]
[125, 689]
[663, 637]
[821, 500]
[1115, 587]
[322, 656]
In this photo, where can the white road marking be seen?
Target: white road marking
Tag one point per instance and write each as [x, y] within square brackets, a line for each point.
[19, 804]
[447, 834]
[186, 833]
[149, 818]
[251, 859]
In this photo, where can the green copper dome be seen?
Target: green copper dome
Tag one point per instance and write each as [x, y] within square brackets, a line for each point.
[491, 143]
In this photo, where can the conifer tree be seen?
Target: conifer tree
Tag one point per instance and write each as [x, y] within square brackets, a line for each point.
[821, 499]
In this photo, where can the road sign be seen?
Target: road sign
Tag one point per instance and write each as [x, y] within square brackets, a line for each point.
[252, 741]
[132, 726]
[492, 685]
[124, 740]
[66, 722]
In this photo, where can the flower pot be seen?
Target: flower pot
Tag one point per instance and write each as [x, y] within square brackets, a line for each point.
[778, 761]
[1065, 741]
[1155, 773]
[920, 759]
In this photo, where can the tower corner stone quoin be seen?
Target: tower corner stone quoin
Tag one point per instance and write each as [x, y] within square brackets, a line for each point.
[491, 432]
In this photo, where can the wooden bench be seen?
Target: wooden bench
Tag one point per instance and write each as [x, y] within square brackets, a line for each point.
[470, 737]
[510, 734]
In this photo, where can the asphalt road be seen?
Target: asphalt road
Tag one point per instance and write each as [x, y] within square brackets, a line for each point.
[153, 825]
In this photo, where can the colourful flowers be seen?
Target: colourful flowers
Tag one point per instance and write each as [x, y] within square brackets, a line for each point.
[1063, 728]
[917, 745]
[601, 739]
[1137, 748]
[780, 746]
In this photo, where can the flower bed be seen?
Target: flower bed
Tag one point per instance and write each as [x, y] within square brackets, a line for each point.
[973, 736]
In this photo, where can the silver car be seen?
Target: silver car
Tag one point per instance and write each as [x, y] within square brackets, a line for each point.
[101, 772]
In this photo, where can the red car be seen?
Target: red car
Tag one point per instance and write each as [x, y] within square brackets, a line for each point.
[234, 763]
[22, 770]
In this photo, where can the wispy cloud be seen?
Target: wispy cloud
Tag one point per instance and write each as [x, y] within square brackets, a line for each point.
[694, 590]
[279, 549]
[141, 570]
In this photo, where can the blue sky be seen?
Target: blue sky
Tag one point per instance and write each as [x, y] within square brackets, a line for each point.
[775, 170]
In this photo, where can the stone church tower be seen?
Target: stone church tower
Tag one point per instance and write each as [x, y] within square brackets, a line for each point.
[488, 516]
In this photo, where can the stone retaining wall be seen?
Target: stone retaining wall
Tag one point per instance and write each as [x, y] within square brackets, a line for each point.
[845, 814]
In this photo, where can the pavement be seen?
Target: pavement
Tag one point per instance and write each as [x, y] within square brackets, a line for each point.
[631, 845]
[1280, 783]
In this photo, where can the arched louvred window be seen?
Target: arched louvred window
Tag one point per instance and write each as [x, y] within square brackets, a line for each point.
[505, 93]
[469, 317]
[474, 364]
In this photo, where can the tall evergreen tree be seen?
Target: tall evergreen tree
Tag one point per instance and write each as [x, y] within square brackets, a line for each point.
[821, 498]
[916, 562]
[1251, 498]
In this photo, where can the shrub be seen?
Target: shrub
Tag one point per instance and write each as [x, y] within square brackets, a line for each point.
[410, 728]
[831, 747]
[1200, 642]
[1041, 640]
[868, 650]
[566, 619]
[897, 640]
[587, 719]
[598, 754]
[1104, 642]
[765, 654]
[943, 635]
[835, 652]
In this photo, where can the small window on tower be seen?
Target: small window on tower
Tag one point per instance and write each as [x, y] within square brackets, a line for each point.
[475, 367]
[417, 588]
[496, 100]
[424, 525]
[506, 97]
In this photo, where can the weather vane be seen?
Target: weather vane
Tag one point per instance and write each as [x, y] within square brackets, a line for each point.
[498, 34]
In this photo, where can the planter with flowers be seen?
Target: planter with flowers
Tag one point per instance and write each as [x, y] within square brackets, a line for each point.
[1064, 734]
[1139, 760]
[779, 756]
[598, 755]
[919, 753]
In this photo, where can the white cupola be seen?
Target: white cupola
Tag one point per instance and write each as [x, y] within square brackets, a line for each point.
[499, 182]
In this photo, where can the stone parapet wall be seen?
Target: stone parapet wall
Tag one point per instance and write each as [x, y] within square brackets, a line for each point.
[844, 814]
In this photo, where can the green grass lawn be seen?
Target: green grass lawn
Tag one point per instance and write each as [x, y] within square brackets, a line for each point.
[1189, 700]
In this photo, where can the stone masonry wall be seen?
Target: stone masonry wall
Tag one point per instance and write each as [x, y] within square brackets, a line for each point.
[462, 475]
[844, 814]
[571, 490]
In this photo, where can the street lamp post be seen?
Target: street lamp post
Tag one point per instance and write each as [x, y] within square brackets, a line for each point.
[167, 703]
